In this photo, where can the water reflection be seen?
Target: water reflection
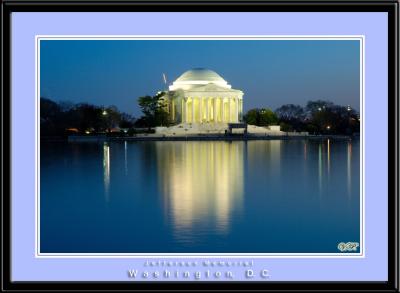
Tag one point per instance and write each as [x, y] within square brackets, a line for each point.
[329, 156]
[266, 153]
[200, 197]
[202, 184]
[320, 168]
[126, 157]
[349, 154]
[305, 150]
[106, 169]
[305, 162]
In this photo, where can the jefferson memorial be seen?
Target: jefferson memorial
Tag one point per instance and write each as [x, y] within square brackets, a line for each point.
[203, 96]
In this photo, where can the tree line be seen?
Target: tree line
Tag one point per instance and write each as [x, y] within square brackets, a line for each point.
[317, 117]
[64, 118]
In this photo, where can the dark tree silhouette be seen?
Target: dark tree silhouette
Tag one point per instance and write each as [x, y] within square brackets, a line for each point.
[153, 108]
[58, 119]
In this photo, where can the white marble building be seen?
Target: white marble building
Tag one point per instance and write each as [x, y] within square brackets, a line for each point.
[203, 96]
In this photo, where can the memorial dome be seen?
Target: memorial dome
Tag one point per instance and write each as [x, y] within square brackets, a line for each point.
[200, 74]
[197, 77]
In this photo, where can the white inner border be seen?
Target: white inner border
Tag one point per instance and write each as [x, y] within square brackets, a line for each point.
[38, 38]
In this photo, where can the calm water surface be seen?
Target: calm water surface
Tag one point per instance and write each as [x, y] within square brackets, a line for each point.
[292, 196]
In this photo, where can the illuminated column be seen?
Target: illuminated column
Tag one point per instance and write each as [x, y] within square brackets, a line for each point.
[223, 109]
[187, 110]
[207, 110]
[229, 116]
[215, 109]
[192, 109]
[201, 109]
[237, 110]
[183, 109]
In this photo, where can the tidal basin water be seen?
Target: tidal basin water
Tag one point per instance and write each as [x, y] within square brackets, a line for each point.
[269, 196]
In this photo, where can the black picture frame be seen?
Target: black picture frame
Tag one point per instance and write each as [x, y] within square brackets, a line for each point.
[391, 7]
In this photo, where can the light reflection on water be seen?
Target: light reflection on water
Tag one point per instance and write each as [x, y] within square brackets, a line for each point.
[200, 181]
[320, 167]
[106, 169]
[126, 157]
[349, 168]
[256, 196]
[328, 155]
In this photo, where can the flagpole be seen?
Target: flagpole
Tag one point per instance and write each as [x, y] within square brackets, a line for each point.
[165, 79]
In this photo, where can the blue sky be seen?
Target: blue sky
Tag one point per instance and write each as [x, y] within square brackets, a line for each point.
[269, 72]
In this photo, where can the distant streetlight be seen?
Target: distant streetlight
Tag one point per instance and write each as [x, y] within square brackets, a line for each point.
[348, 108]
[319, 109]
[104, 113]
[328, 127]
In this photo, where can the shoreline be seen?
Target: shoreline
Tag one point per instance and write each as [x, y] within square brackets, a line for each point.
[217, 137]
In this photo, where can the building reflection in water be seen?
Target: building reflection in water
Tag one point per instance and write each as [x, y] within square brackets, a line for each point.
[106, 169]
[202, 183]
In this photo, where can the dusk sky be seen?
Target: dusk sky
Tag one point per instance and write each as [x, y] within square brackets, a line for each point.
[270, 73]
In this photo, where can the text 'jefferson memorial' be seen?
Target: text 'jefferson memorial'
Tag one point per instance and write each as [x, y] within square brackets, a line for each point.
[203, 96]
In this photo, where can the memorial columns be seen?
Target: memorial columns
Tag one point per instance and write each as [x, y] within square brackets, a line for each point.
[215, 109]
[201, 109]
[192, 110]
